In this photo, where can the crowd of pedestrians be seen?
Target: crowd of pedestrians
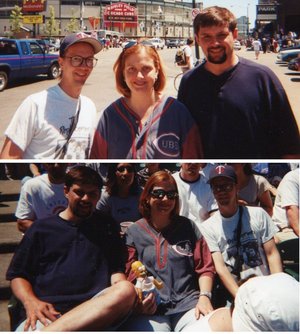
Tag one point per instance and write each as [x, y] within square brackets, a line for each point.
[193, 230]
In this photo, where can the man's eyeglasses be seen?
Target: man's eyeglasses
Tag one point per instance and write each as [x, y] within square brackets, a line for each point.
[122, 169]
[77, 61]
[160, 194]
[216, 188]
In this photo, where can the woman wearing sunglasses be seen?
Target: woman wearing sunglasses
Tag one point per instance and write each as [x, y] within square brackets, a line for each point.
[120, 197]
[173, 251]
[144, 123]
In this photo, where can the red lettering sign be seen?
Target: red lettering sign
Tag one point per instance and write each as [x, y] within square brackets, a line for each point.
[31, 6]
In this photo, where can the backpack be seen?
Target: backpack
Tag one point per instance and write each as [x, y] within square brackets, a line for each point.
[180, 57]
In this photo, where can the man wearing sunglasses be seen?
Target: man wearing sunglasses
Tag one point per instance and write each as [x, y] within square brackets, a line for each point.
[58, 123]
[241, 239]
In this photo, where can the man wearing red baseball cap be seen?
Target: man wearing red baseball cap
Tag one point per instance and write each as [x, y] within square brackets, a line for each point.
[240, 238]
[58, 123]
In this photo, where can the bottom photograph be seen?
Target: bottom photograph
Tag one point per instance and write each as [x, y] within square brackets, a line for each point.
[148, 247]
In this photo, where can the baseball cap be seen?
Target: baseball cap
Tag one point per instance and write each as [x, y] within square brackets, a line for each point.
[267, 303]
[222, 170]
[78, 38]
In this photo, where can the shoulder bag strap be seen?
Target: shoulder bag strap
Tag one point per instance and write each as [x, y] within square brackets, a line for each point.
[62, 151]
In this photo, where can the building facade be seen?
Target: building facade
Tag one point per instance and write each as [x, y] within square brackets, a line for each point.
[160, 18]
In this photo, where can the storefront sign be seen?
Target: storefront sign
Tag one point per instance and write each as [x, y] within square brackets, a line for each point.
[120, 15]
[34, 6]
[31, 19]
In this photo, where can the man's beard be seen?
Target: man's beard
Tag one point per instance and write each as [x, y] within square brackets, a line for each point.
[217, 59]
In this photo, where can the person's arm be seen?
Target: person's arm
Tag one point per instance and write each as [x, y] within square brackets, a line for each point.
[24, 224]
[117, 277]
[204, 303]
[35, 308]
[292, 213]
[224, 273]
[273, 256]
[10, 150]
[266, 203]
[34, 170]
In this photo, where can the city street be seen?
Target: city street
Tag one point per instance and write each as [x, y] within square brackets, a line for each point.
[100, 86]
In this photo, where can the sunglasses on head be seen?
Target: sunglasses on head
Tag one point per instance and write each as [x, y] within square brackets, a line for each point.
[133, 43]
[122, 169]
[160, 194]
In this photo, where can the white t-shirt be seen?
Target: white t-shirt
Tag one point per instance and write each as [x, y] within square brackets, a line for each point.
[257, 228]
[188, 53]
[41, 125]
[256, 186]
[287, 194]
[39, 198]
[196, 199]
[256, 45]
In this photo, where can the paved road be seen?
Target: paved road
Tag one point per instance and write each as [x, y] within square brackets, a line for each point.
[100, 86]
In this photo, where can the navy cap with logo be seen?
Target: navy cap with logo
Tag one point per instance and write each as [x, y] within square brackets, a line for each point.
[79, 37]
[222, 171]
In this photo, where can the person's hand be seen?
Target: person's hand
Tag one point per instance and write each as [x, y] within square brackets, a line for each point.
[203, 307]
[39, 310]
[147, 305]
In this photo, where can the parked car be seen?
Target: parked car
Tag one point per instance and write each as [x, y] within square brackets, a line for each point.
[237, 45]
[294, 64]
[157, 42]
[21, 58]
[287, 55]
[173, 43]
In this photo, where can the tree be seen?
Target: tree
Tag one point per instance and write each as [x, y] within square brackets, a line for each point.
[16, 19]
[73, 25]
[51, 27]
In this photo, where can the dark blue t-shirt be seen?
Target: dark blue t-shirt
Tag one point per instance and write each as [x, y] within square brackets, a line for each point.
[67, 263]
[242, 113]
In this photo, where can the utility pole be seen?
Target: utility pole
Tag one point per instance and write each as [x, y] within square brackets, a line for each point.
[197, 52]
[247, 20]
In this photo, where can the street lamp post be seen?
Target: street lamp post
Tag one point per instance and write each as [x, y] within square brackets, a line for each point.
[247, 28]
[197, 53]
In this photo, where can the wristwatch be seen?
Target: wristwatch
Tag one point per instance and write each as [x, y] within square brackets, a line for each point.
[205, 293]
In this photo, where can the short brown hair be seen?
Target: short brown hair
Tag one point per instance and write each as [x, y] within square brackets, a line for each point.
[120, 64]
[154, 180]
[214, 16]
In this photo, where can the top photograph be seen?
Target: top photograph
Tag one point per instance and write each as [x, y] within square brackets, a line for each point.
[147, 80]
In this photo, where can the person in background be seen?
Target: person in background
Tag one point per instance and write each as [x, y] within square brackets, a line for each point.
[144, 123]
[256, 47]
[145, 173]
[196, 199]
[42, 196]
[240, 238]
[174, 253]
[236, 120]
[188, 53]
[121, 194]
[286, 207]
[65, 119]
[254, 190]
[66, 259]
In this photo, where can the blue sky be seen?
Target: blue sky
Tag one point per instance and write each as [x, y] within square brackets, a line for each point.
[238, 7]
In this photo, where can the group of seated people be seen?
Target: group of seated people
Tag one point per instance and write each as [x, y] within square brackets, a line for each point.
[195, 237]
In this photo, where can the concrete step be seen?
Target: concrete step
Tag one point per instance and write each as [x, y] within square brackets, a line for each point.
[10, 237]
[4, 317]
[10, 187]
[7, 211]
[5, 291]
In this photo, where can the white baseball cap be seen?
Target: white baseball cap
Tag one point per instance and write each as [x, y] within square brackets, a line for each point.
[267, 303]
